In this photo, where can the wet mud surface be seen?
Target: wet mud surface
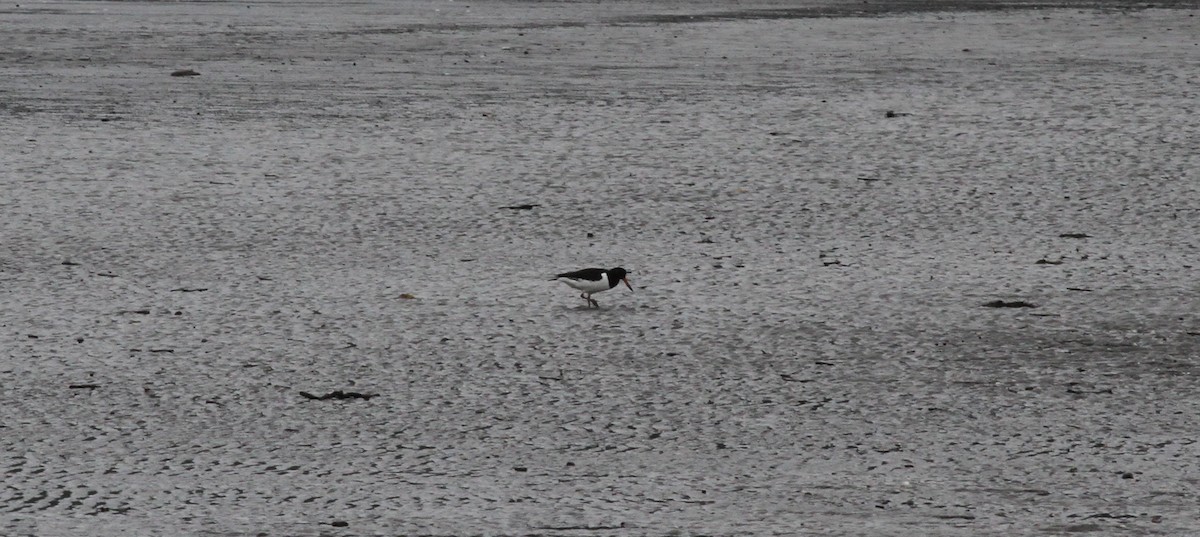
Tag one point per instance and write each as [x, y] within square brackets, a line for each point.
[926, 271]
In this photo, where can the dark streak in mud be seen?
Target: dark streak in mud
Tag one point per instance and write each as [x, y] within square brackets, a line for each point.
[885, 8]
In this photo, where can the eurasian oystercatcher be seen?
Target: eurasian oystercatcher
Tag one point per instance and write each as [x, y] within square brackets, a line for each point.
[594, 280]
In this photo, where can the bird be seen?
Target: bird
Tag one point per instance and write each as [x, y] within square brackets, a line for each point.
[594, 280]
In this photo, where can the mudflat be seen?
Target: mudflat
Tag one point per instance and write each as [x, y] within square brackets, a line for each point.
[915, 268]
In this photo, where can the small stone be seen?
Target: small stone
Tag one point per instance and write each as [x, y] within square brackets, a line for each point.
[339, 523]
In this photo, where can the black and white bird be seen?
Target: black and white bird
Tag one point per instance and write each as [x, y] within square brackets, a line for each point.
[594, 280]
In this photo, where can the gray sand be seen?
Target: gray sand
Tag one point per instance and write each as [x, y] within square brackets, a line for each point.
[806, 351]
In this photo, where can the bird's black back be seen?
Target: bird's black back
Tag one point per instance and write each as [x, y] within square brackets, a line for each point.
[590, 274]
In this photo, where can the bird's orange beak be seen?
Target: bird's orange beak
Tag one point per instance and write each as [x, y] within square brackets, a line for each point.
[626, 280]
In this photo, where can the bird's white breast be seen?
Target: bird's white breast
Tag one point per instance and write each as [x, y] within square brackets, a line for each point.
[588, 286]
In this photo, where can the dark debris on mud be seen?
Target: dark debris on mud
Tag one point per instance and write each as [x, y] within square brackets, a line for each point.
[338, 395]
[1009, 304]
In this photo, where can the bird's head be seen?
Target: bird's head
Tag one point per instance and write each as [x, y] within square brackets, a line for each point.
[620, 274]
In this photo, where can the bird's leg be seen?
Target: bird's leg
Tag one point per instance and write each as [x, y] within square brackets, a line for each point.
[593, 303]
[584, 296]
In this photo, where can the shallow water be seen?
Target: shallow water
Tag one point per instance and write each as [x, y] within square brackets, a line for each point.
[806, 351]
